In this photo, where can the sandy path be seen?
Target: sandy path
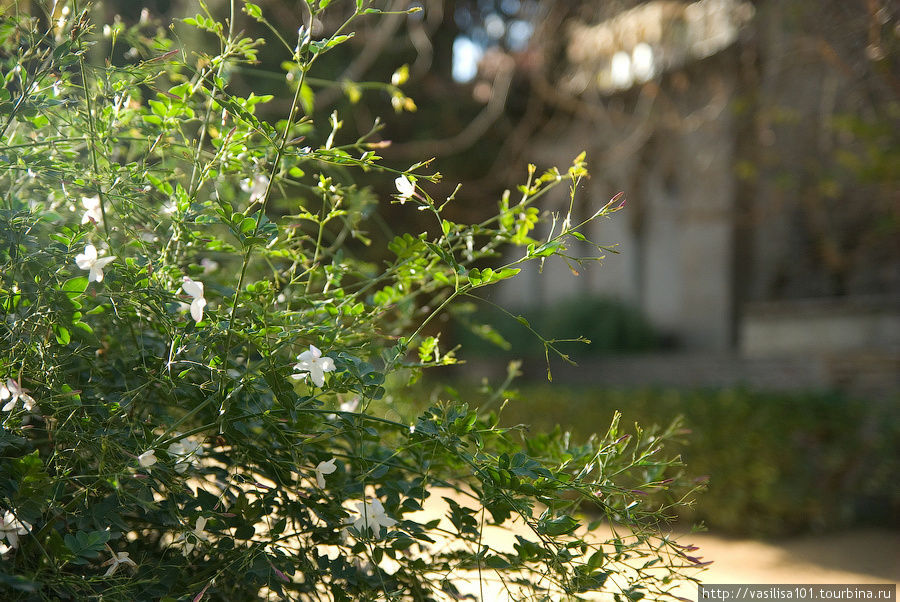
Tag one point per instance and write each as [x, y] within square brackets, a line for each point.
[858, 556]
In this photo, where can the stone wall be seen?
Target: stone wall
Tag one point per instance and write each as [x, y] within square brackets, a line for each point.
[761, 174]
[675, 234]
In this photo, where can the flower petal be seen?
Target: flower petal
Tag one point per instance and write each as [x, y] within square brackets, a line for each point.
[192, 287]
[90, 252]
[103, 261]
[27, 402]
[405, 187]
[327, 467]
[197, 306]
[147, 459]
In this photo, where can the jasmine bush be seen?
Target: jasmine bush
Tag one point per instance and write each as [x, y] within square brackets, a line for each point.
[190, 348]
[777, 463]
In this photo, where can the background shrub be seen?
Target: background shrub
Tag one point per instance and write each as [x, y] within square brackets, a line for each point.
[777, 463]
[602, 325]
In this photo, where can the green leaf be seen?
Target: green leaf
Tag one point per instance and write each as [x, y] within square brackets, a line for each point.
[488, 276]
[497, 562]
[74, 287]
[86, 546]
[247, 225]
[62, 335]
[181, 90]
[253, 10]
[338, 40]
[83, 326]
[307, 99]
[559, 525]
[63, 49]
[545, 250]
[504, 274]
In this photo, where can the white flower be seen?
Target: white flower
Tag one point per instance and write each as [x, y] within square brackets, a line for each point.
[147, 459]
[118, 558]
[11, 527]
[256, 187]
[322, 469]
[209, 265]
[405, 187]
[12, 391]
[372, 516]
[195, 290]
[314, 365]
[89, 261]
[92, 210]
[185, 452]
[350, 406]
[197, 535]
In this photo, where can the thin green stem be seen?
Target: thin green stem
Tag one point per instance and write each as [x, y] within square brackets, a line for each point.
[92, 145]
[273, 172]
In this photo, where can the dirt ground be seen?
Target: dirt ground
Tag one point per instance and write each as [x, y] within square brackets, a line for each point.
[858, 556]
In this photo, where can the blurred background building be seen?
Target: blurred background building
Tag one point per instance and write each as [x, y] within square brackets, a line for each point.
[756, 142]
[757, 147]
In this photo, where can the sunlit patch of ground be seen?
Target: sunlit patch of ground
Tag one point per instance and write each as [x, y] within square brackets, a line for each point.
[490, 585]
[858, 556]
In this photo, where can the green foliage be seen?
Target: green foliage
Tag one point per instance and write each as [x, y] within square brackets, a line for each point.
[580, 326]
[192, 351]
[777, 464]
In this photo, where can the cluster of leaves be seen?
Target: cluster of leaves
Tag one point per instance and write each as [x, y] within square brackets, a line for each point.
[778, 464]
[166, 452]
